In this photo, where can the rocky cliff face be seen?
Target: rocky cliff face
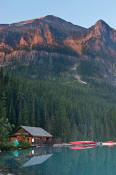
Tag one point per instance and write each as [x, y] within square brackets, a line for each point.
[51, 35]
[54, 33]
[44, 32]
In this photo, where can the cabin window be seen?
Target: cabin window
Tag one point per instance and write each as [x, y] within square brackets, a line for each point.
[32, 140]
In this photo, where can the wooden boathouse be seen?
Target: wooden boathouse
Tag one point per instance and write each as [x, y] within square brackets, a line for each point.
[34, 135]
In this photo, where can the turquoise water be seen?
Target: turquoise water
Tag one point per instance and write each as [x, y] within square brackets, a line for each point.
[60, 161]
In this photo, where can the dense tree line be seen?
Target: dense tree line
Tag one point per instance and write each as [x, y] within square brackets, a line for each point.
[42, 68]
[70, 111]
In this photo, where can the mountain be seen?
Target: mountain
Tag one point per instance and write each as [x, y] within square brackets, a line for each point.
[100, 40]
[59, 47]
[59, 53]
[43, 32]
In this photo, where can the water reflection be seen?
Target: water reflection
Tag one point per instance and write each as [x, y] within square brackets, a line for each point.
[16, 153]
[81, 147]
[36, 160]
[65, 161]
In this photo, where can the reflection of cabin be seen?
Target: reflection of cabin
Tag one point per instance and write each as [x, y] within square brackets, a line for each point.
[37, 160]
[33, 135]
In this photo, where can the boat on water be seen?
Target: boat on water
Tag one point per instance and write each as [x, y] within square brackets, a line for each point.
[83, 143]
[109, 143]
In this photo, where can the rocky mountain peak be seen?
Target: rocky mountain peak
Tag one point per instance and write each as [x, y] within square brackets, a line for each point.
[101, 23]
[52, 18]
[101, 28]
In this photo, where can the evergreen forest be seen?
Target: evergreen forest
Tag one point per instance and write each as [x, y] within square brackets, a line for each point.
[68, 110]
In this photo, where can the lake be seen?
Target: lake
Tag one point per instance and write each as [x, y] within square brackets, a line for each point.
[59, 161]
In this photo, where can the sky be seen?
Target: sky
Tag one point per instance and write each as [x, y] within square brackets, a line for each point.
[80, 12]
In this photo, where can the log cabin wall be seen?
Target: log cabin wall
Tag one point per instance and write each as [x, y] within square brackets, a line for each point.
[37, 140]
[29, 139]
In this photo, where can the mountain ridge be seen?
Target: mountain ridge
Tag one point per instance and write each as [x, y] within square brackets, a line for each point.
[50, 30]
[54, 38]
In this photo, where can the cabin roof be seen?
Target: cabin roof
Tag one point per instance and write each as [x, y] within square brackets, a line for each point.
[36, 131]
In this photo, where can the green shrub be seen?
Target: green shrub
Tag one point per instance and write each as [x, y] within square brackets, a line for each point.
[24, 144]
[6, 146]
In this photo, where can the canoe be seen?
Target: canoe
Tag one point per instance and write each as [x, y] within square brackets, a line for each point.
[109, 143]
[82, 142]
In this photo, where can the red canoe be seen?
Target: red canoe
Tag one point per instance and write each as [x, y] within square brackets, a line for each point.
[82, 142]
[109, 143]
